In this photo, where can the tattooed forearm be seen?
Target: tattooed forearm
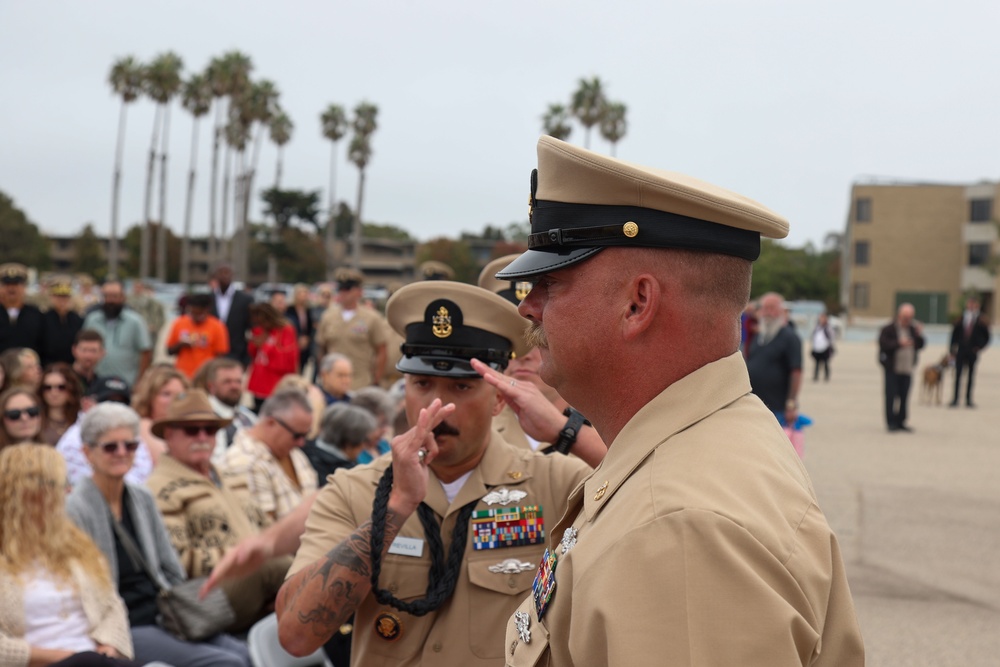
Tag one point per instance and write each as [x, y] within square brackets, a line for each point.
[323, 596]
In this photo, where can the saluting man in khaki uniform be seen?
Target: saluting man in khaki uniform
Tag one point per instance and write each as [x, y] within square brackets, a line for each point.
[698, 541]
[354, 330]
[434, 546]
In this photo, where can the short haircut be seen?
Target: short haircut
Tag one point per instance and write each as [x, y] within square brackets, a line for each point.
[105, 417]
[284, 400]
[207, 372]
[346, 426]
[88, 336]
[376, 401]
[328, 361]
[199, 300]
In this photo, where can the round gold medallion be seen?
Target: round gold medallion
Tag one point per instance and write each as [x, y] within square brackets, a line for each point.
[630, 229]
[388, 627]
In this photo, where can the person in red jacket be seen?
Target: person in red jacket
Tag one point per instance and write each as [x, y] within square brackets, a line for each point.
[273, 349]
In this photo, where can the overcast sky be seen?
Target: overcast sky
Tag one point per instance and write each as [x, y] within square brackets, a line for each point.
[787, 102]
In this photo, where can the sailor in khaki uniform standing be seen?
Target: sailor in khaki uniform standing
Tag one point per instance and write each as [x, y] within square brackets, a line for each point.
[698, 541]
[434, 546]
[354, 330]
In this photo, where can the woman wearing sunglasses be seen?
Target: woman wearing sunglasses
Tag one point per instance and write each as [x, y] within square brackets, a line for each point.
[22, 416]
[105, 505]
[60, 394]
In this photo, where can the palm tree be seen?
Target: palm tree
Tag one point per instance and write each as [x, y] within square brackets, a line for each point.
[161, 82]
[229, 75]
[237, 138]
[196, 97]
[360, 153]
[588, 104]
[334, 124]
[280, 130]
[126, 82]
[614, 125]
[555, 122]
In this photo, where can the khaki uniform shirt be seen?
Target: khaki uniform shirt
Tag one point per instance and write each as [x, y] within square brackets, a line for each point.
[270, 488]
[358, 339]
[467, 631]
[202, 519]
[698, 542]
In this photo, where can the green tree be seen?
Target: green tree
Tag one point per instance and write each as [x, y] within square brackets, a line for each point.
[298, 253]
[555, 122]
[333, 123]
[588, 105]
[372, 230]
[455, 254]
[613, 124]
[360, 154]
[798, 273]
[87, 256]
[126, 82]
[20, 239]
[196, 98]
[132, 241]
[288, 206]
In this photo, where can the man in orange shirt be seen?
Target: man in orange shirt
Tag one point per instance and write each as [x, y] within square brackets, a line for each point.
[197, 337]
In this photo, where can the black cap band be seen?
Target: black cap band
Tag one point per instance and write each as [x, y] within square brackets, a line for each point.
[559, 226]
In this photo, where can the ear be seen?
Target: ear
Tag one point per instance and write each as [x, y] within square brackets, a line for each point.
[499, 403]
[644, 301]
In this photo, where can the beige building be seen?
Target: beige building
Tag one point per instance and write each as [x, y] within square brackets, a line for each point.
[924, 243]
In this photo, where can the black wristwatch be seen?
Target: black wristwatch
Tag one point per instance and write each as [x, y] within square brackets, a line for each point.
[569, 432]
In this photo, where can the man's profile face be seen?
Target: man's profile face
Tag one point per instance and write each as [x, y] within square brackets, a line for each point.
[88, 353]
[466, 432]
[227, 386]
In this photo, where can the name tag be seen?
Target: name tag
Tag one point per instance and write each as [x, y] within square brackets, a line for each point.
[407, 546]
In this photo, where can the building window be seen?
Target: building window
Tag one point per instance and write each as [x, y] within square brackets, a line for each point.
[859, 296]
[861, 251]
[863, 209]
[980, 210]
[979, 254]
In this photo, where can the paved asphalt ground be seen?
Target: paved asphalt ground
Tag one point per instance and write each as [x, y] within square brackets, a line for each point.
[917, 514]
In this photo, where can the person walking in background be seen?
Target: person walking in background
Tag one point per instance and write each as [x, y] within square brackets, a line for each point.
[822, 347]
[968, 338]
[273, 350]
[355, 330]
[775, 360]
[899, 343]
[232, 307]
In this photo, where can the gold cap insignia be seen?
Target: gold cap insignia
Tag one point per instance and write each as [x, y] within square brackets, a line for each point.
[630, 229]
[521, 289]
[442, 323]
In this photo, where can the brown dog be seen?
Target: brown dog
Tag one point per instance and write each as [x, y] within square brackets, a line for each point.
[934, 381]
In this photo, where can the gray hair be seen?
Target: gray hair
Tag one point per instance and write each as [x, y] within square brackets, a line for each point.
[377, 401]
[346, 426]
[282, 401]
[105, 417]
[330, 360]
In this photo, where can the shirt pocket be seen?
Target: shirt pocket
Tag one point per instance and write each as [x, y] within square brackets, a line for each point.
[535, 653]
[406, 579]
[495, 594]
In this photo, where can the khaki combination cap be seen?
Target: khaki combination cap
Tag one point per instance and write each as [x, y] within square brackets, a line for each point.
[513, 290]
[191, 407]
[348, 278]
[60, 286]
[13, 273]
[582, 202]
[447, 324]
[435, 270]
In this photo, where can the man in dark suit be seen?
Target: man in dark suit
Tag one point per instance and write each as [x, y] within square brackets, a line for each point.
[232, 306]
[898, 344]
[20, 322]
[969, 336]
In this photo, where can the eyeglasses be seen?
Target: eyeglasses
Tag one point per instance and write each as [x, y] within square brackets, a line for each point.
[15, 414]
[192, 431]
[53, 387]
[295, 434]
[113, 447]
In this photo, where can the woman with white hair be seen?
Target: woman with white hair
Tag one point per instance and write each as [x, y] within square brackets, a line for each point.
[111, 510]
[344, 432]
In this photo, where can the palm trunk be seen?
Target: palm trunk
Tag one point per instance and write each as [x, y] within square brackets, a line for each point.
[278, 167]
[272, 261]
[213, 239]
[356, 231]
[331, 224]
[227, 161]
[188, 208]
[161, 241]
[116, 192]
[148, 201]
[250, 174]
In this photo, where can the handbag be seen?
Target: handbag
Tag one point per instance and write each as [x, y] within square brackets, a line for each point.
[182, 613]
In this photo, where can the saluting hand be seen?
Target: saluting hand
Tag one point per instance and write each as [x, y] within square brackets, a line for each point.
[538, 417]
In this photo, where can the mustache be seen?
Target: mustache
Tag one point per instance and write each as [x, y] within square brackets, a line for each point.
[535, 336]
[444, 428]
